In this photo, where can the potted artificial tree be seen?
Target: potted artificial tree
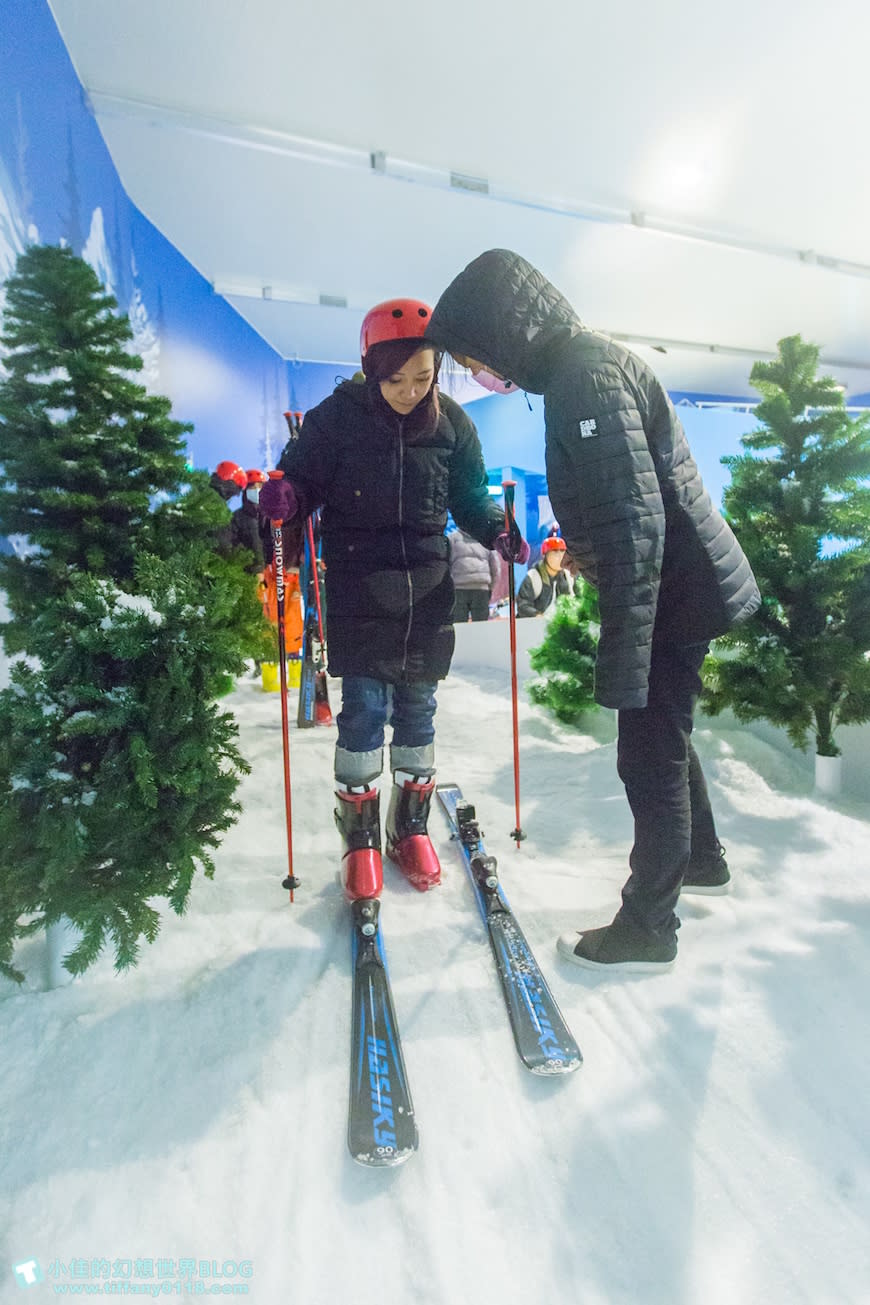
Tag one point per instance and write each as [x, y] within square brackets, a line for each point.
[117, 770]
[799, 502]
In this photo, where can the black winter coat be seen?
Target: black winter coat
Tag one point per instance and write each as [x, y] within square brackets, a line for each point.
[248, 532]
[385, 495]
[623, 484]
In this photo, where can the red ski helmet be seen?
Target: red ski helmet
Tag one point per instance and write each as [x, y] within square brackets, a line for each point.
[394, 319]
[256, 478]
[553, 542]
[231, 471]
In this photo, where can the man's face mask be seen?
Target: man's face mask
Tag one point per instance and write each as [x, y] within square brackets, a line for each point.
[494, 383]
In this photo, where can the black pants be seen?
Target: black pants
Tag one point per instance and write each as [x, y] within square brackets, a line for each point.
[473, 603]
[665, 788]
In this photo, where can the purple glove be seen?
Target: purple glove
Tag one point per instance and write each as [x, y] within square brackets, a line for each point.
[278, 501]
[512, 549]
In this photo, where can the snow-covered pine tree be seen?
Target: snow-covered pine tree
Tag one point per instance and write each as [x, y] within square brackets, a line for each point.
[117, 768]
[84, 448]
[117, 771]
[567, 656]
[799, 502]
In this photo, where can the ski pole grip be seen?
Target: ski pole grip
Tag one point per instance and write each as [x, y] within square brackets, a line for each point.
[509, 486]
[277, 475]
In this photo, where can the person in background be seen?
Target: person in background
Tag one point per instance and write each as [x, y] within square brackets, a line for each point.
[248, 529]
[474, 571]
[386, 456]
[227, 480]
[670, 574]
[544, 582]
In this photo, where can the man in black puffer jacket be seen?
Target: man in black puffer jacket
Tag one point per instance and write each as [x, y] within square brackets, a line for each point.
[641, 527]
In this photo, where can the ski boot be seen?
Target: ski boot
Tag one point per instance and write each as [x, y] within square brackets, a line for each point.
[358, 818]
[407, 840]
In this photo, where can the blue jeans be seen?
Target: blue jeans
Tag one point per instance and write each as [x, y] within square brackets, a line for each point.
[367, 705]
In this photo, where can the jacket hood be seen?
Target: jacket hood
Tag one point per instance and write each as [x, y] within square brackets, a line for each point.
[506, 314]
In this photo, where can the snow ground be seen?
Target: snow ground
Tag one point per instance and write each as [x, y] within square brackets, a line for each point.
[712, 1149]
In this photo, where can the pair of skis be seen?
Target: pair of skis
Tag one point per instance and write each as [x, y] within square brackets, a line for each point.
[382, 1129]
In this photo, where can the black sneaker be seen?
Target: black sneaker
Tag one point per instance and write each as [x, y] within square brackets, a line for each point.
[618, 946]
[708, 876]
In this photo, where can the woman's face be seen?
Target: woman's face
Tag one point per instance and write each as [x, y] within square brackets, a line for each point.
[411, 383]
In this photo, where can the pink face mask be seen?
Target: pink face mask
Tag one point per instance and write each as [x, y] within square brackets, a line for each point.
[494, 383]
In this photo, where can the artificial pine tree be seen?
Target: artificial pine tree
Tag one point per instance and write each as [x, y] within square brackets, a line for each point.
[84, 447]
[117, 772]
[568, 652]
[802, 516]
[117, 769]
[239, 626]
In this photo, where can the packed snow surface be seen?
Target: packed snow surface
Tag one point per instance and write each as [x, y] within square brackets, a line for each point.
[181, 1128]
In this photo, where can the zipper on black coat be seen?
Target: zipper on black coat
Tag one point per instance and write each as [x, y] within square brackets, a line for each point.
[404, 550]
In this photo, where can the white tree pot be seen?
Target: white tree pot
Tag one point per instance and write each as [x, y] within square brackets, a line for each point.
[829, 775]
[60, 939]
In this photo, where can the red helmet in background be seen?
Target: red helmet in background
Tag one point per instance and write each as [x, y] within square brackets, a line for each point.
[256, 478]
[394, 319]
[553, 542]
[231, 471]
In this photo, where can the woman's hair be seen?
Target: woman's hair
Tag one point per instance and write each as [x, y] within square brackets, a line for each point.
[385, 359]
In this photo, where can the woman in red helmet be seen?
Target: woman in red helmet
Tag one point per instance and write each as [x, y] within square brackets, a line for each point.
[386, 456]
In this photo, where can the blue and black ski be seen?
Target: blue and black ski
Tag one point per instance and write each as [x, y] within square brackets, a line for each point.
[543, 1039]
[381, 1128]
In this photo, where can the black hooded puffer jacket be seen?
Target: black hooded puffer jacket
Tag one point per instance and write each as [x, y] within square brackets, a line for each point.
[623, 484]
[385, 495]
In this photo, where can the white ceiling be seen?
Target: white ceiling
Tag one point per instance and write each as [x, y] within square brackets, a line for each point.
[297, 150]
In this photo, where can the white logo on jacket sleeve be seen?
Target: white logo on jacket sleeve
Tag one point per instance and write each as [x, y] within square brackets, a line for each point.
[588, 428]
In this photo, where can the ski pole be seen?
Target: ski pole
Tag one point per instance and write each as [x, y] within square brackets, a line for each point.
[294, 423]
[511, 526]
[291, 881]
[309, 525]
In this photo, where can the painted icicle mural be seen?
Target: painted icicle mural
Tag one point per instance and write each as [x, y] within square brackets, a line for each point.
[58, 186]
